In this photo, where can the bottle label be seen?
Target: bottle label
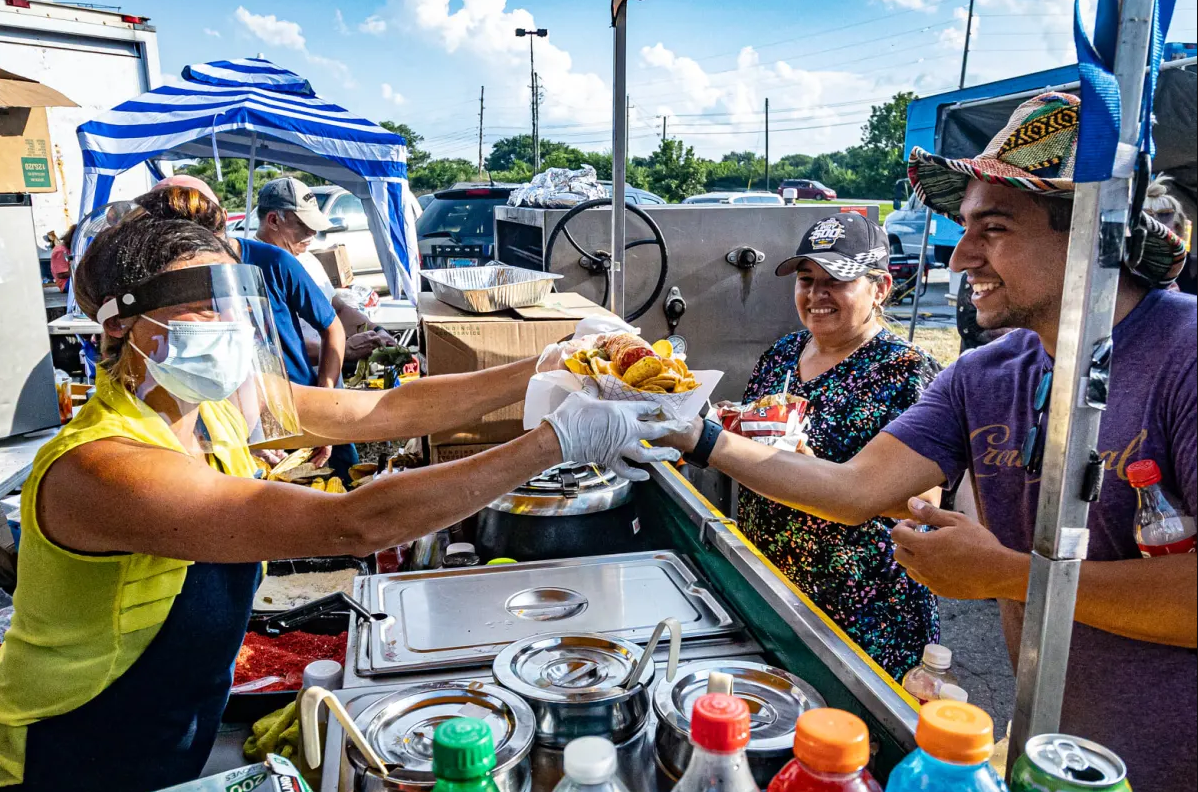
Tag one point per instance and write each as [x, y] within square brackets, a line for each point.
[1187, 545]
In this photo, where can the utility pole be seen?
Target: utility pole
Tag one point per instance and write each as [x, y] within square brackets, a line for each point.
[965, 54]
[533, 34]
[481, 91]
[663, 127]
[767, 145]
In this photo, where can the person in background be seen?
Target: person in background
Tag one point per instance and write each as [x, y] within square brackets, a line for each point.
[1168, 212]
[60, 257]
[857, 376]
[1132, 677]
[363, 335]
[289, 218]
[294, 297]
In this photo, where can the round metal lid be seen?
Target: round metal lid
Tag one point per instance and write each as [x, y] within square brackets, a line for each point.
[566, 489]
[400, 726]
[775, 697]
[569, 667]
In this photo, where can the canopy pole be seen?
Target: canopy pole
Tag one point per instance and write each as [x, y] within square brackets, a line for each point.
[249, 186]
[923, 259]
[1093, 264]
[619, 155]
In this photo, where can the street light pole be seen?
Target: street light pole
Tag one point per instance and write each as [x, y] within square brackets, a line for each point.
[533, 34]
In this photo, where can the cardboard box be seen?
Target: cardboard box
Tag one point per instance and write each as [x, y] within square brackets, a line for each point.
[456, 342]
[26, 153]
[335, 261]
[452, 453]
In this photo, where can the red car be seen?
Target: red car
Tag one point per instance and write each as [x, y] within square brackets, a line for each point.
[808, 190]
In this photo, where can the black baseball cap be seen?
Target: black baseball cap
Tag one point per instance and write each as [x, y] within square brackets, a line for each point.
[846, 245]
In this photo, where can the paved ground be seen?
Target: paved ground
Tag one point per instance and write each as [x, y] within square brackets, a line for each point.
[973, 631]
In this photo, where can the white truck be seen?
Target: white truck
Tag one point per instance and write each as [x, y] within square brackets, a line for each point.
[98, 58]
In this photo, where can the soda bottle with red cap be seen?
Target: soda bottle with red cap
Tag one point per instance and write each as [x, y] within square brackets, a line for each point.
[1162, 526]
[719, 734]
[831, 752]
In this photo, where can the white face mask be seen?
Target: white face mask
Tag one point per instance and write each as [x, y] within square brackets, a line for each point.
[205, 361]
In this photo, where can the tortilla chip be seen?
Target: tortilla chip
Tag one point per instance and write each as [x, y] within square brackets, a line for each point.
[665, 383]
[663, 348]
[643, 369]
[651, 389]
[577, 366]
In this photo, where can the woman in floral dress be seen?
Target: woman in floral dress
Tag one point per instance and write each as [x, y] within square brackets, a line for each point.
[857, 376]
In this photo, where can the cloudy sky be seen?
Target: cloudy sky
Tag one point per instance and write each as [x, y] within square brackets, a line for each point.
[707, 66]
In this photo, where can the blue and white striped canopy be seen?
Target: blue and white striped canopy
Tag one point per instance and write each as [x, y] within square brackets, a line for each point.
[252, 109]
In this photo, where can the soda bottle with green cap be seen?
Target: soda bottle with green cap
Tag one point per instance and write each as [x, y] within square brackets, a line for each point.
[463, 756]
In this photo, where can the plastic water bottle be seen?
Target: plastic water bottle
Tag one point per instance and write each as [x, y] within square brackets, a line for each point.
[463, 756]
[719, 733]
[925, 680]
[955, 743]
[1162, 526]
[831, 751]
[591, 765]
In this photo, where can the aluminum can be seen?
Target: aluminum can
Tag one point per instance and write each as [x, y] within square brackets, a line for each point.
[1061, 763]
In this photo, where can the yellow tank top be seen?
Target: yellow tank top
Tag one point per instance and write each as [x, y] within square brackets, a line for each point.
[80, 621]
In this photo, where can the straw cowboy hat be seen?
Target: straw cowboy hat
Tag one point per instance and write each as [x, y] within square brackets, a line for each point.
[1035, 152]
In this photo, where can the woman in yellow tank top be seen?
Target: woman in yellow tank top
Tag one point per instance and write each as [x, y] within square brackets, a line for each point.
[144, 529]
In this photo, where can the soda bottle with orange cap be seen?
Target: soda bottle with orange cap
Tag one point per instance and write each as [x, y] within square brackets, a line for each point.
[831, 751]
[955, 742]
[719, 733]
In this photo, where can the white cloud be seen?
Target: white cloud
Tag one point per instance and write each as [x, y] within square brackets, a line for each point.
[339, 23]
[391, 95]
[912, 5]
[487, 28]
[289, 35]
[211, 32]
[954, 37]
[374, 25]
[272, 30]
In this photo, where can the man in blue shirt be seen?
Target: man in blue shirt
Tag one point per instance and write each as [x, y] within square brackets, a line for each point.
[295, 297]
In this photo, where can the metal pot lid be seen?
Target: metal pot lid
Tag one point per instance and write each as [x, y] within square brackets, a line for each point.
[565, 489]
[400, 726]
[570, 668]
[775, 697]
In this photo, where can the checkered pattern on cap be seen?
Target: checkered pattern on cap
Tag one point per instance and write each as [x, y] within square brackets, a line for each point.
[844, 267]
[1035, 152]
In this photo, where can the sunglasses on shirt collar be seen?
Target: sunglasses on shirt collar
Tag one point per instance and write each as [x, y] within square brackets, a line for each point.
[1032, 452]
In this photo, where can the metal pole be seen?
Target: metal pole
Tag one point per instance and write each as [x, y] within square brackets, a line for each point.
[767, 145]
[923, 257]
[1087, 312]
[249, 186]
[532, 81]
[663, 127]
[965, 53]
[481, 92]
[619, 153]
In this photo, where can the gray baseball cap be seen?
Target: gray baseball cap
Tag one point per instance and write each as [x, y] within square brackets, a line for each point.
[293, 195]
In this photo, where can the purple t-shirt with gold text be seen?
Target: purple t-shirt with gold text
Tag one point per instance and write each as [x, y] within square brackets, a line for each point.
[1137, 698]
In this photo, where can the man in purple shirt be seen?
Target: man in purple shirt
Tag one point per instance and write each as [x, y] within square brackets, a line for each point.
[1131, 681]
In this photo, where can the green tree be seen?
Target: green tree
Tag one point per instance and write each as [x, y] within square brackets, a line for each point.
[674, 170]
[439, 174]
[417, 157]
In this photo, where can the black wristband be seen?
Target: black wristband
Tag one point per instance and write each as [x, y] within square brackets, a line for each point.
[379, 329]
[702, 451]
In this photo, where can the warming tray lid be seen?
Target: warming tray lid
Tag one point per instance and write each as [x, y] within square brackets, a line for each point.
[465, 617]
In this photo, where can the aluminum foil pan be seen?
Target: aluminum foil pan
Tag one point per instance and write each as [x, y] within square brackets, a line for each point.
[495, 287]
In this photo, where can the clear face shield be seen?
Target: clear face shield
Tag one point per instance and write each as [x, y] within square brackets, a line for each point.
[210, 350]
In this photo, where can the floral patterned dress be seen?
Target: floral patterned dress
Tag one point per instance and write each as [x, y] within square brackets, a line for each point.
[849, 571]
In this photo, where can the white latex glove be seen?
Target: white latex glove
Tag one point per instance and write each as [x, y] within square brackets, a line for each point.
[598, 325]
[609, 432]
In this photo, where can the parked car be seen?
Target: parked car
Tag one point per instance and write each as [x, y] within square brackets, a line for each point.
[736, 199]
[461, 217]
[808, 190]
[425, 200]
[904, 226]
[636, 196]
